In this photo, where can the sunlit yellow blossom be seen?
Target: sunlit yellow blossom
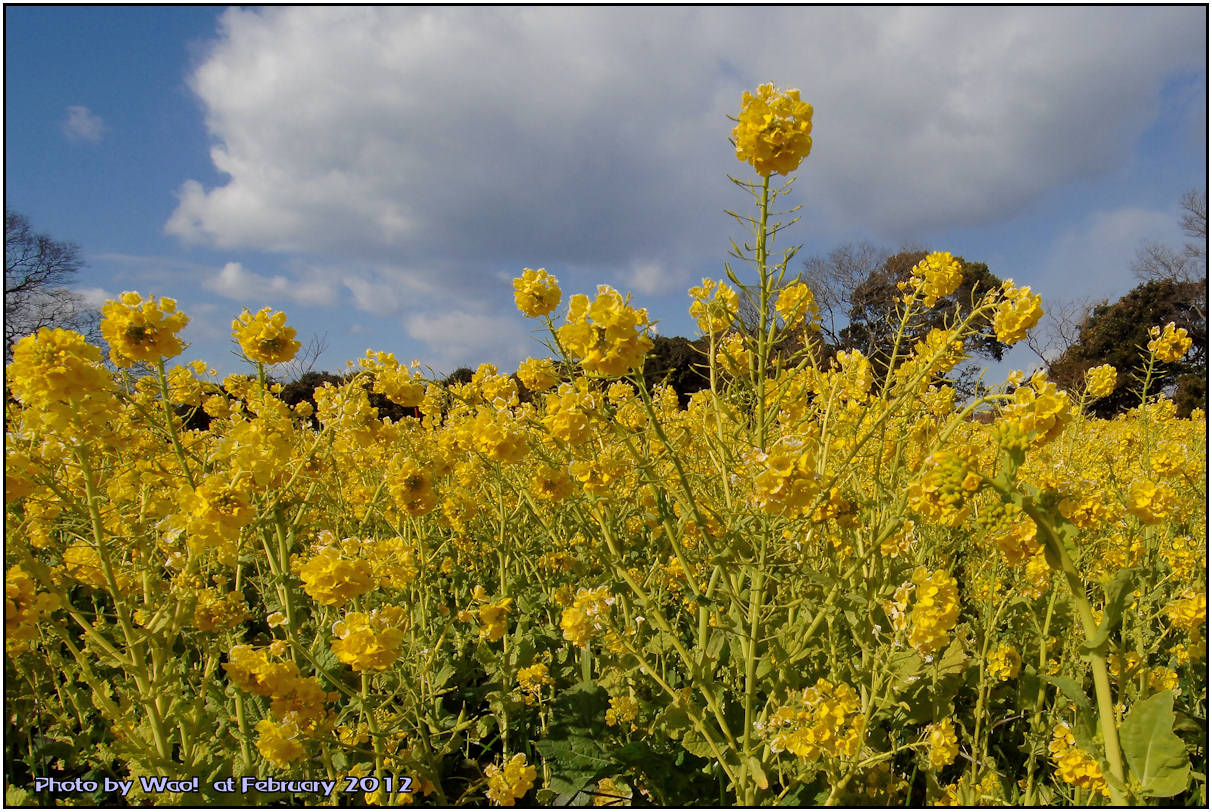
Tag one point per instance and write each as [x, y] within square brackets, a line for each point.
[24, 606]
[411, 488]
[264, 337]
[492, 619]
[1019, 311]
[714, 305]
[935, 610]
[371, 641]
[59, 376]
[138, 330]
[622, 710]
[936, 276]
[608, 336]
[532, 679]
[1100, 381]
[536, 292]
[824, 719]
[1168, 343]
[538, 375]
[332, 580]
[772, 132]
[796, 303]
[509, 783]
[586, 618]
[1004, 662]
[279, 744]
[1149, 501]
[1074, 765]
[944, 745]
[218, 612]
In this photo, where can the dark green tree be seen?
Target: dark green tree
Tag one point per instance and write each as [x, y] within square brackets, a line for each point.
[679, 362]
[1117, 334]
[874, 316]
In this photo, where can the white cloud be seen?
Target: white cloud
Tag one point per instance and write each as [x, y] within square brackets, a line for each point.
[462, 338]
[94, 298]
[234, 281]
[82, 124]
[1092, 259]
[436, 141]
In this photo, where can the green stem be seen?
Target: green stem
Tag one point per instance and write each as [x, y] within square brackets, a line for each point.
[170, 424]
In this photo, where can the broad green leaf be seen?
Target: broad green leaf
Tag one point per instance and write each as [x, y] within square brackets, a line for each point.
[1157, 757]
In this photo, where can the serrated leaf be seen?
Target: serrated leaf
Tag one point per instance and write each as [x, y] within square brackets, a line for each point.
[1156, 757]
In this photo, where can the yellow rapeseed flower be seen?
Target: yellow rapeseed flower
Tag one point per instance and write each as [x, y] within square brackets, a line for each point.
[536, 293]
[773, 130]
[264, 337]
[140, 330]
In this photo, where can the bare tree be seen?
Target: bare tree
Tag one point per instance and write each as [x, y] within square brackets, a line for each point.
[1195, 222]
[37, 269]
[1061, 327]
[305, 359]
[1154, 261]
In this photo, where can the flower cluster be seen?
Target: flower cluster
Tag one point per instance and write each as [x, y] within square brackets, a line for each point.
[1074, 765]
[1150, 501]
[393, 380]
[943, 743]
[773, 130]
[587, 617]
[138, 330]
[1168, 343]
[293, 697]
[822, 720]
[714, 305]
[935, 610]
[264, 337]
[1019, 311]
[1004, 662]
[332, 580]
[536, 292]
[1038, 411]
[492, 618]
[538, 375]
[795, 303]
[24, 606]
[946, 481]
[608, 335]
[787, 478]
[532, 679]
[369, 641]
[1100, 381]
[59, 376]
[935, 277]
[509, 783]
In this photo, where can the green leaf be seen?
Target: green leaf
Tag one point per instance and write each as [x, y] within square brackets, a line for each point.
[1157, 757]
[1070, 689]
[1117, 592]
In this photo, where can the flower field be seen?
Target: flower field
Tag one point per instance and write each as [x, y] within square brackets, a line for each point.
[827, 579]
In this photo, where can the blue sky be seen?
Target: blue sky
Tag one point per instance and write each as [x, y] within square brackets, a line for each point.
[382, 173]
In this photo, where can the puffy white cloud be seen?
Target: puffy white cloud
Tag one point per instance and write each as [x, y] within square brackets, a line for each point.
[432, 143]
[466, 338]
[82, 124]
[94, 298]
[236, 282]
